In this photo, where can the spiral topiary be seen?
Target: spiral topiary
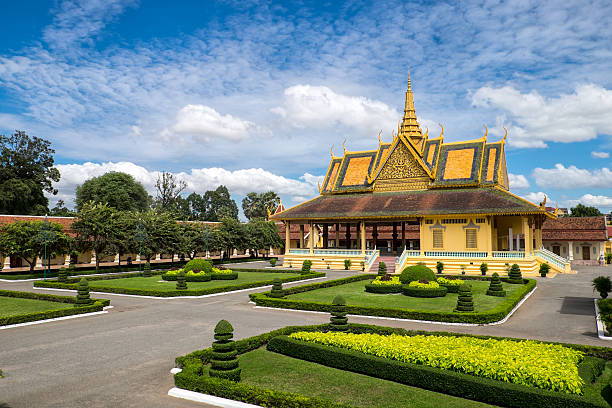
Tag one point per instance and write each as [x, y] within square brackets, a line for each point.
[306, 265]
[465, 302]
[71, 267]
[181, 282]
[339, 321]
[146, 272]
[439, 267]
[382, 269]
[62, 275]
[495, 288]
[82, 297]
[514, 275]
[416, 273]
[277, 289]
[224, 362]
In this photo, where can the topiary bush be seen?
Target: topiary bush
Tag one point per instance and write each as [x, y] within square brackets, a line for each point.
[181, 282]
[439, 267]
[609, 259]
[62, 275]
[82, 297]
[146, 272]
[514, 275]
[347, 264]
[416, 273]
[544, 269]
[277, 289]
[495, 287]
[424, 289]
[201, 264]
[224, 361]
[484, 268]
[71, 268]
[602, 285]
[306, 265]
[382, 269]
[339, 321]
[465, 302]
[273, 262]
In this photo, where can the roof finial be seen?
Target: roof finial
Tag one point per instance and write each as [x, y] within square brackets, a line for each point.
[332, 151]
[344, 145]
[409, 82]
[505, 135]
[486, 130]
[442, 131]
[379, 139]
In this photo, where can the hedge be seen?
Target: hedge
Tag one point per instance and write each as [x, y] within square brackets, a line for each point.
[173, 293]
[192, 365]
[97, 306]
[490, 316]
[416, 291]
[383, 288]
[434, 379]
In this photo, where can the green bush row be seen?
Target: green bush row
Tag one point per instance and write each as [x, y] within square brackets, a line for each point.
[172, 293]
[383, 288]
[435, 379]
[97, 306]
[490, 316]
[204, 277]
[424, 292]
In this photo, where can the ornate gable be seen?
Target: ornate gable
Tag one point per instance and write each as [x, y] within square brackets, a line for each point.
[401, 171]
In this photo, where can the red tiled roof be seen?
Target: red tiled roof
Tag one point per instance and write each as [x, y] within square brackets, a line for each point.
[575, 229]
[66, 222]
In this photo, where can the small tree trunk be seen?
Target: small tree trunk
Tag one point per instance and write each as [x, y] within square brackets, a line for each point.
[97, 261]
[32, 264]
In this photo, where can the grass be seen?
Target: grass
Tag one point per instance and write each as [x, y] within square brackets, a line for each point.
[354, 293]
[156, 283]
[10, 306]
[274, 371]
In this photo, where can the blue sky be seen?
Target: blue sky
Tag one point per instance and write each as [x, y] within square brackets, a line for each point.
[253, 96]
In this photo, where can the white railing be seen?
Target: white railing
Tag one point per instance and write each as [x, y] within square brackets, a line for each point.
[400, 261]
[330, 251]
[508, 254]
[371, 258]
[552, 258]
[455, 254]
[298, 251]
[413, 253]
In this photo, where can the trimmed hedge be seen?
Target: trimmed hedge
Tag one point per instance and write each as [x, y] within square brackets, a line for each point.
[383, 288]
[97, 306]
[205, 277]
[225, 276]
[445, 381]
[415, 291]
[493, 315]
[173, 293]
[416, 273]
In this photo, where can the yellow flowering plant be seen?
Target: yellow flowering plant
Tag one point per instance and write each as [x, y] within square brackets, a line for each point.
[393, 281]
[450, 282]
[428, 285]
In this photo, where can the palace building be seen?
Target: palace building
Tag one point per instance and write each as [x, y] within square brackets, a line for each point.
[419, 199]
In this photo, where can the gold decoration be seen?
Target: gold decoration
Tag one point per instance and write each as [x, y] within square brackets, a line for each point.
[459, 164]
[401, 164]
[356, 171]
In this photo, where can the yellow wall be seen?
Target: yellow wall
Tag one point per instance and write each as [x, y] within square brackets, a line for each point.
[454, 235]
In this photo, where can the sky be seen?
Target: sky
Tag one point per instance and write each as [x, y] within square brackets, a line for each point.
[253, 95]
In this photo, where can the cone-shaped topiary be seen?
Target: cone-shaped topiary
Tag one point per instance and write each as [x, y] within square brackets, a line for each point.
[277, 289]
[382, 269]
[181, 282]
[62, 275]
[514, 275]
[224, 361]
[71, 268]
[465, 302]
[339, 321]
[82, 297]
[146, 272]
[495, 288]
[306, 266]
[439, 267]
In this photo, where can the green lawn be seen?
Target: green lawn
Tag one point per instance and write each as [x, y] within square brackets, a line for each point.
[354, 293]
[153, 282]
[269, 370]
[10, 306]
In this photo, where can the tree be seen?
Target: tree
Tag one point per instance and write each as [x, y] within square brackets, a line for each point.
[261, 234]
[60, 210]
[219, 205]
[122, 238]
[161, 233]
[192, 238]
[26, 173]
[232, 235]
[169, 188]
[256, 205]
[118, 190]
[94, 227]
[584, 211]
[26, 239]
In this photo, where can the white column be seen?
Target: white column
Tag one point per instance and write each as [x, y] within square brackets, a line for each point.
[247, 252]
[158, 257]
[93, 258]
[518, 242]
[7, 262]
[510, 239]
[571, 250]
[362, 232]
[116, 260]
[39, 262]
[602, 256]
[271, 251]
[67, 260]
[311, 239]
[207, 254]
[235, 252]
[138, 258]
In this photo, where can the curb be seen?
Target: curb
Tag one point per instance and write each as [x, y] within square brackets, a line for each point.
[601, 333]
[56, 319]
[208, 399]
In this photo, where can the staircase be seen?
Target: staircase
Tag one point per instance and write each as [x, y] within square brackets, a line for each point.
[389, 262]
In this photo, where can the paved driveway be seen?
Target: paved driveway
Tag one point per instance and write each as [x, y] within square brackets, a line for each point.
[123, 358]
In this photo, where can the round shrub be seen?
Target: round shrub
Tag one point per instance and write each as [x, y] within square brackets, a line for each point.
[338, 319]
[224, 362]
[514, 276]
[417, 272]
[82, 298]
[200, 264]
[544, 269]
[272, 262]
[603, 285]
[495, 287]
[465, 302]
[484, 268]
[181, 283]
[277, 289]
[424, 289]
[451, 284]
[382, 268]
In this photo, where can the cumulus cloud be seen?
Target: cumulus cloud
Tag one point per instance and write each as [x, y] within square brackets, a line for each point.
[600, 155]
[599, 201]
[238, 182]
[535, 198]
[575, 117]
[572, 177]
[518, 181]
[320, 107]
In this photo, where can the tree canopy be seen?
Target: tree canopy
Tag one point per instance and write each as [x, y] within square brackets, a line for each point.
[213, 205]
[26, 173]
[581, 210]
[256, 205]
[119, 190]
[94, 227]
[169, 188]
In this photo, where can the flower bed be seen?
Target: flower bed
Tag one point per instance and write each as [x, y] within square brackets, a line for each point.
[390, 285]
[424, 289]
[190, 276]
[451, 285]
[529, 363]
[224, 274]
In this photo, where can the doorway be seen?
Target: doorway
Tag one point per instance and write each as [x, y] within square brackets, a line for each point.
[586, 253]
[556, 250]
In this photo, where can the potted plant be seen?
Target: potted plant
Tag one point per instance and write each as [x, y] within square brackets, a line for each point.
[602, 285]
[463, 269]
[328, 265]
[544, 268]
[439, 267]
[609, 258]
[362, 264]
[347, 264]
[273, 262]
[484, 268]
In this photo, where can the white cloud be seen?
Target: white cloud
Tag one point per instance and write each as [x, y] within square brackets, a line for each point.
[599, 201]
[600, 155]
[238, 182]
[535, 198]
[576, 117]
[518, 181]
[572, 177]
[308, 106]
[205, 122]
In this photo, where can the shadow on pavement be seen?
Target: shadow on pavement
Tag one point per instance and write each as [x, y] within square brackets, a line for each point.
[578, 306]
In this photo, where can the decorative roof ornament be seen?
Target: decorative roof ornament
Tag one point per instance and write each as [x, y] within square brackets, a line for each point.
[442, 130]
[379, 139]
[543, 203]
[557, 210]
[332, 151]
[344, 145]
[505, 135]
[486, 131]
[409, 127]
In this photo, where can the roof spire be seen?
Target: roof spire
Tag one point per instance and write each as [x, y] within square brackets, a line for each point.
[410, 126]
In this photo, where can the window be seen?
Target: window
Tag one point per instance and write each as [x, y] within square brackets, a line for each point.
[480, 220]
[428, 221]
[438, 240]
[455, 221]
[470, 238]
